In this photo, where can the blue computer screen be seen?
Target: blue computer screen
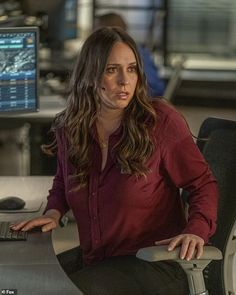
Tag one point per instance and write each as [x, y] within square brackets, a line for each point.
[18, 69]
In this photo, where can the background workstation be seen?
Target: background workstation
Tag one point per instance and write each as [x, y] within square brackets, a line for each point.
[192, 42]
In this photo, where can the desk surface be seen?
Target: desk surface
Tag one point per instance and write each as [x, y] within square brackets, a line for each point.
[31, 266]
[49, 106]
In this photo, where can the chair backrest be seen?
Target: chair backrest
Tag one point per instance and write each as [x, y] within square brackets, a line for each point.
[219, 150]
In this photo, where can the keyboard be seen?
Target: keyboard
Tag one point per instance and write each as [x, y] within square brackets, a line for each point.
[7, 234]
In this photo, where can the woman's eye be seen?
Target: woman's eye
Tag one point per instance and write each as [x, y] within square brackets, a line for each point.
[132, 69]
[111, 70]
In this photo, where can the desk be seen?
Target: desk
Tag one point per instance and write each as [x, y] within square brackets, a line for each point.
[49, 106]
[31, 266]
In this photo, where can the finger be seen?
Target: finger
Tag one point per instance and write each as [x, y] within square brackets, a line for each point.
[19, 225]
[184, 247]
[199, 250]
[36, 222]
[191, 249]
[174, 243]
[49, 226]
[163, 242]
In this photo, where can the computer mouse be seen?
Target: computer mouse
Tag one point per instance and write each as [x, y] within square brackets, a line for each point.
[11, 203]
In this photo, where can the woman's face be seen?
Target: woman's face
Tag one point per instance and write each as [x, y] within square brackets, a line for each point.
[120, 78]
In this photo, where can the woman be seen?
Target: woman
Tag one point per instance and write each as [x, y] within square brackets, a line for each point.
[121, 162]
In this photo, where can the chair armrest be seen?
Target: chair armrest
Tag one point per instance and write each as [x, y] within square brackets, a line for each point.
[158, 253]
[193, 268]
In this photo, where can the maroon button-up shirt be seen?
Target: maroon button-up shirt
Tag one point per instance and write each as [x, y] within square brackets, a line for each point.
[117, 213]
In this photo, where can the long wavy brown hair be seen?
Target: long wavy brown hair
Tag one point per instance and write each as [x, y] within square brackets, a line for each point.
[136, 144]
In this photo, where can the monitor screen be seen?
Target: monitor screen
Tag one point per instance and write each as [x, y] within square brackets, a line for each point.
[18, 69]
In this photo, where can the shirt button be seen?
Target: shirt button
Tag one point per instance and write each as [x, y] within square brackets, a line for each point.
[93, 194]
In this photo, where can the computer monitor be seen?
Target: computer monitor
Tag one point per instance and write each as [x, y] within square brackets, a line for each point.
[18, 69]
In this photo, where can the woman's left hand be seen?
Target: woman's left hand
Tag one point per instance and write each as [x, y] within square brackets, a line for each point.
[188, 245]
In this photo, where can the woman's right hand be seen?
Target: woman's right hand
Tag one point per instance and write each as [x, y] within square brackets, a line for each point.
[47, 222]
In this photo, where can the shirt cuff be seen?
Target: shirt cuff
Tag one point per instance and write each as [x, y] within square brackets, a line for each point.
[60, 208]
[199, 228]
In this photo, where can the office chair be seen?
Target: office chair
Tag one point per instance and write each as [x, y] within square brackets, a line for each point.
[219, 150]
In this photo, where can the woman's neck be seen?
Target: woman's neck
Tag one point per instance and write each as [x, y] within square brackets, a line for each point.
[109, 121]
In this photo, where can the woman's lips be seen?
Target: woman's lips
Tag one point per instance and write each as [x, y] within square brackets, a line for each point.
[123, 94]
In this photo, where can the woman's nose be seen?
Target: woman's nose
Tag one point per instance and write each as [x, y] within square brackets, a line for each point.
[123, 79]
[124, 82]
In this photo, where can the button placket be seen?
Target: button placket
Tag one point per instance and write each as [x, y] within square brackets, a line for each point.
[93, 203]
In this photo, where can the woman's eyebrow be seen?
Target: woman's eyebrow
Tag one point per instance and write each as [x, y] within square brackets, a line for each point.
[116, 64]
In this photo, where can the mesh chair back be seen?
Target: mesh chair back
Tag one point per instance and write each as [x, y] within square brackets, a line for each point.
[219, 150]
